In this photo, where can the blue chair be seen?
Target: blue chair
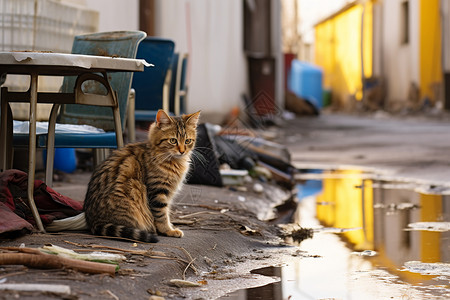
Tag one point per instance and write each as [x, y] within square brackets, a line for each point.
[152, 86]
[119, 43]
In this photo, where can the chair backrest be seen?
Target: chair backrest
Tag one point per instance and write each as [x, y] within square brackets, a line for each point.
[149, 84]
[178, 85]
[183, 83]
[117, 44]
[173, 82]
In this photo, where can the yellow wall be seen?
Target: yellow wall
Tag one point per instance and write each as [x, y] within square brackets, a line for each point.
[340, 206]
[338, 51]
[430, 47]
[431, 211]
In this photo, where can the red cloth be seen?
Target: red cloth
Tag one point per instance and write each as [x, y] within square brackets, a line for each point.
[15, 213]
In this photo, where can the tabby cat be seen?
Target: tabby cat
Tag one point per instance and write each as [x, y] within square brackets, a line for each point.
[130, 193]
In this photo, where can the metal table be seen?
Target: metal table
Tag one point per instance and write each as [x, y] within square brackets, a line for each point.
[38, 64]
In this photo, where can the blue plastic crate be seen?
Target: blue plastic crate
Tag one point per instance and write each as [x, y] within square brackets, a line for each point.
[305, 81]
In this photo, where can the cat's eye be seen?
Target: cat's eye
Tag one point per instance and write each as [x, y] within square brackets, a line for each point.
[173, 141]
[188, 141]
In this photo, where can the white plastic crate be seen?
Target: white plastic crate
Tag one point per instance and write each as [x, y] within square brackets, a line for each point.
[41, 25]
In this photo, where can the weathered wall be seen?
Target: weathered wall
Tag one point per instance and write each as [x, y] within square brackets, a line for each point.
[400, 61]
[211, 32]
[430, 50]
[116, 14]
[338, 51]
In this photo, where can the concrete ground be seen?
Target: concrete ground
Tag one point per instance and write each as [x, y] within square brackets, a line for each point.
[413, 148]
[225, 237]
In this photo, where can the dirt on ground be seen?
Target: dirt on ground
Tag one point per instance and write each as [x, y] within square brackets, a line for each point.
[224, 240]
[226, 230]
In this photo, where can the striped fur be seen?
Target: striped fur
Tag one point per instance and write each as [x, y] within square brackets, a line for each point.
[130, 193]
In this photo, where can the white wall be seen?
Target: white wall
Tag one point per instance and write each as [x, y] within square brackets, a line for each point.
[116, 14]
[400, 63]
[211, 32]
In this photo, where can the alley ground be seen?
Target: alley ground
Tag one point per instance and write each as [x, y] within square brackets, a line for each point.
[225, 237]
[413, 147]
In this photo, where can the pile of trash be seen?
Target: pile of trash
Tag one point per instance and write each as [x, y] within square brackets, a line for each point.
[227, 156]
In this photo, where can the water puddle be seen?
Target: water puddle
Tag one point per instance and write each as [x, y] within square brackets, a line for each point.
[271, 291]
[371, 239]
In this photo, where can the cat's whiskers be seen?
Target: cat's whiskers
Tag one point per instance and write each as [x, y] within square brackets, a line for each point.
[197, 155]
[160, 157]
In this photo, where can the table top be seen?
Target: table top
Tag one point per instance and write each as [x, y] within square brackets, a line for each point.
[49, 63]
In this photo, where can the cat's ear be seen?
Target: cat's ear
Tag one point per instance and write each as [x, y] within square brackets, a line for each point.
[192, 119]
[162, 118]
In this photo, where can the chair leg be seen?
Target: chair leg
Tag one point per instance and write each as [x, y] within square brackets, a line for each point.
[100, 154]
[9, 140]
[51, 145]
[131, 122]
[117, 124]
[177, 109]
[6, 133]
[166, 91]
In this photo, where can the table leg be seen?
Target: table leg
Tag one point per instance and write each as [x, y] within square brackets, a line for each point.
[6, 132]
[116, 114]
[118, 127]
[3, 133]
[32, 150]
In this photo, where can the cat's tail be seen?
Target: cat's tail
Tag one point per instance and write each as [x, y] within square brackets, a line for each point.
[124, 232]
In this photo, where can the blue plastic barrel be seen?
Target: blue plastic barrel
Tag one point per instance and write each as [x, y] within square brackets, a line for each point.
[305, 81]
[65, 159]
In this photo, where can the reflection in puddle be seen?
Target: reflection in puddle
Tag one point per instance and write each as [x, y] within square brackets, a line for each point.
[430, 226]
[372, 240]
[401, 223]
[271, 291]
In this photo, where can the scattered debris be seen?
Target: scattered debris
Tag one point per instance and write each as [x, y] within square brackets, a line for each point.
[32, 287]
[365, 253]
[239, 188]
[325, 203]
[109, 258]
[156, 298]
[156, 293]
[298, 252]
[261, 171]
[295, 232]
[35, 258]
[336, 230]
[208, 261]
[148, 253]
[233, 177]
[184, 283]
[112, 294]
[245, 230]
[430, 226]
[427, 268]
[298, 235]
[258, 188]
[241, 198]
[392, 207]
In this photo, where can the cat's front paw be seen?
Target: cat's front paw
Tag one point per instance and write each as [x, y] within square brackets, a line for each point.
[174, 233]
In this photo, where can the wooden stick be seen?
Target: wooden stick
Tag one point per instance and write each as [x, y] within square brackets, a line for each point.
[46, 261]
